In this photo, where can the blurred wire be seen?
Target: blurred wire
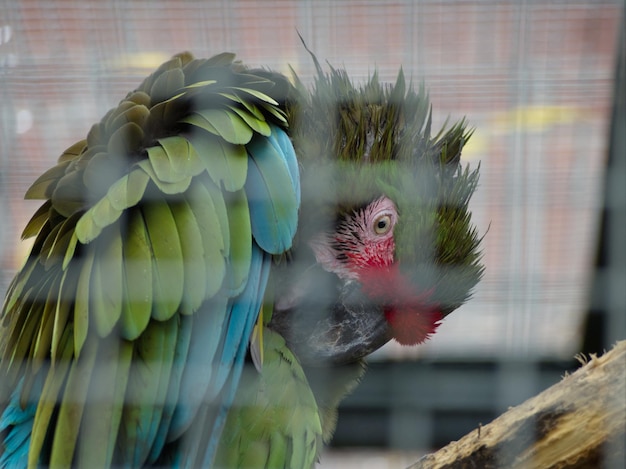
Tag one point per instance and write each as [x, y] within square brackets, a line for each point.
[534, 78]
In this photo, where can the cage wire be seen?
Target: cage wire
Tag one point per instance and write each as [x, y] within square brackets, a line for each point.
[535, 79]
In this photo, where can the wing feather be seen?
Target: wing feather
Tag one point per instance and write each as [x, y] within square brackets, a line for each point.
[240, 241]
[274, 421]
[130, 320]
[194, 266]
[179, 363]
[213, 228]
[145, 393]
[106, 287]
[81, 302]
[167, 265]
[138, 294]
[70, 411]
[104, 407]
[49, 398]
[226, 163]
[272, 197]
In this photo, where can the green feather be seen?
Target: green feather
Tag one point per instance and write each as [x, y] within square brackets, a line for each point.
[165, 187]
[278, 449]
[72, 405]
[128, 190]
[165, 114]
[64, 301]
[221, 60]
[73, 151]
[106, 293]
[37, 220]
[182, 156]
[96, 135]
[61, 243]
[169, 334]
[174, 63]
[167, 84]
[275, 112]
[69, 194]
[45, 184]
[86, 228]
[126, 112]
[101, 170]
[240, 241]
[139, 97]
[116, 117]
[197, 120]
[250, 106]
[181, 352]
[227, 125]
[226, 163]
[221, 210]
[102, 416]
[43, 340]
[257, 94]
[103, 214]
[126, 139]
[49, 398]
[82, 302]
[255, 123]
[137, 284]
[274, 420]
[174, 160]
[213, 229]
[167, 266]
[46, 248]
[195, 276]
[21, 335]
[146, 389]
[200, 84]
[162, 165]
[124, 193]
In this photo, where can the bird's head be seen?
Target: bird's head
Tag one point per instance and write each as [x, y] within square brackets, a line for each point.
[384, 211]
[362, 249]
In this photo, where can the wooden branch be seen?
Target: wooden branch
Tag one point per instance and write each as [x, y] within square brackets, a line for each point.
[579, 422]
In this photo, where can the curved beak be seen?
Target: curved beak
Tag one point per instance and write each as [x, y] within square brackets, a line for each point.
[338, 327]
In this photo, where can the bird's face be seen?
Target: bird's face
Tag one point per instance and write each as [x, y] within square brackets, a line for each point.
[362, 249]
[385, 245]
[362, 239]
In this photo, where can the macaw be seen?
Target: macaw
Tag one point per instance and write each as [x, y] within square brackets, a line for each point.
[214, 261]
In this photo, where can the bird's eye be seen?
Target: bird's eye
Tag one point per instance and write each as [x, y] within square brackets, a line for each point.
[382, 224]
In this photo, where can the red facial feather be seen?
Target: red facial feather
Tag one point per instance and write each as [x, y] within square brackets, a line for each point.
[411, 317]
[359, 252]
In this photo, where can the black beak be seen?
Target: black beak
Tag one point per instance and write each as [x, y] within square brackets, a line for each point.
[338, 326]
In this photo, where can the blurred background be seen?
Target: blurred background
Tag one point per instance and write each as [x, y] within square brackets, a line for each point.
[535, 79]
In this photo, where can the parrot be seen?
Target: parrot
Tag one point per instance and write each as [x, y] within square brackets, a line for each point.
[213, 263]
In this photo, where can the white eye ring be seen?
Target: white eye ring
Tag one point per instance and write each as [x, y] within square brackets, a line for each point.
[382, 224]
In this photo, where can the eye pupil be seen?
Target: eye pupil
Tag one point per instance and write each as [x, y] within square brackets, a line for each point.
[382, 225]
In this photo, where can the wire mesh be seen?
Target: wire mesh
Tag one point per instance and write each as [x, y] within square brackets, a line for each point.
[534, 78]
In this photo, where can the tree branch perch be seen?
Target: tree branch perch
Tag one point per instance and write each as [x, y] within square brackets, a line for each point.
[579, 422]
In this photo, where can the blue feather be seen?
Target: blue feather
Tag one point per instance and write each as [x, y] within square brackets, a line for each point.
[281, 141]
[180, 357]
[17, 422]
[244, 313]
[271, 196]
[247, 307]
[198, 373]
[200, 442]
